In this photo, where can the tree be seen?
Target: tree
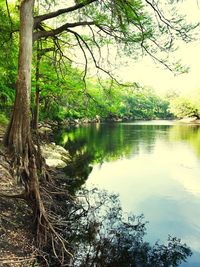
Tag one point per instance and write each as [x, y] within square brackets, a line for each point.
[127, 23]
[121, 21]
[182, 107]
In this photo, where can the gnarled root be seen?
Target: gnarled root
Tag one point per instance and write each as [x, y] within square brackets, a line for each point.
[28, 168]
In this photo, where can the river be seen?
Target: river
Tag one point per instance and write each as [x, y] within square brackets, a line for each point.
[154, 166]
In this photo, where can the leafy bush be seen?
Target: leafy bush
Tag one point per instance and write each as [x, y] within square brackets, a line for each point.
[182, 107]
[3, 119]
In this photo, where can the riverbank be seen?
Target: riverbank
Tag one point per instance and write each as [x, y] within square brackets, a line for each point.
[17, 239]
[189, 120]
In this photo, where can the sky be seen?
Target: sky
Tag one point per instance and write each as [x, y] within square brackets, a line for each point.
[146, 72]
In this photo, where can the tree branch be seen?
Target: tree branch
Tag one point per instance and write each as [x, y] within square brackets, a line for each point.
[64, 27]
[39, 19]
[93, 57]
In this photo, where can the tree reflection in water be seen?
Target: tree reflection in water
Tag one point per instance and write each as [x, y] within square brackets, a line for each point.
[109, 142]
[187, 133]
[78, 166]
[106, 237]
[100, 233]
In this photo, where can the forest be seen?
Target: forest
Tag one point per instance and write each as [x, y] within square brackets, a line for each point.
[61, 89]
[57, 70]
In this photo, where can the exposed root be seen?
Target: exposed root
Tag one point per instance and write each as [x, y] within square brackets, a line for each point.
[28, 168]
[19, 196]
[45, 230]
[29, 261]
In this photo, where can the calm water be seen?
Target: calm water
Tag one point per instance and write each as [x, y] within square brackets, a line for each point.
[155, 168]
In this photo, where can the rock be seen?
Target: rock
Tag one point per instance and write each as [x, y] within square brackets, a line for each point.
[43, 130]
[97, 118]
[126, 118]
[55, 155]
[86, 120]
[56, 163]
[76, 121]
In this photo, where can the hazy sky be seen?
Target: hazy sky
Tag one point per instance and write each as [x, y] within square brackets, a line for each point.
[147, 73]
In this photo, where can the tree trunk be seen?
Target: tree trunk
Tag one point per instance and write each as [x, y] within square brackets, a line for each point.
[27, 159]
[18, 134]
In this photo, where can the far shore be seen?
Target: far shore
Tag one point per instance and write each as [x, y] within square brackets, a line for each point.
[194, 120]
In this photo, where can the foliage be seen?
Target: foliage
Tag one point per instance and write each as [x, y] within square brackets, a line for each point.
[182, 107]
[3, 119]
[8, 57]
[126, 23]
[63, 95]
[134, 27]
[143, 103]
[190, 134]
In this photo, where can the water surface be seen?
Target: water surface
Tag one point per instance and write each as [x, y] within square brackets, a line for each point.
[155, 169]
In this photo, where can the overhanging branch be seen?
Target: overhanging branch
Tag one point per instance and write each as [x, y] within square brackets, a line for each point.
[39, 19]
[78, 36]
[64, 27]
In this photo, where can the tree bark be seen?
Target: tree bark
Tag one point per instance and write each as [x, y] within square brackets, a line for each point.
[18, 133]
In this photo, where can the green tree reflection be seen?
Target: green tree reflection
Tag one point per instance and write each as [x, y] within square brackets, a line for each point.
[109, 142]
[186, 133]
